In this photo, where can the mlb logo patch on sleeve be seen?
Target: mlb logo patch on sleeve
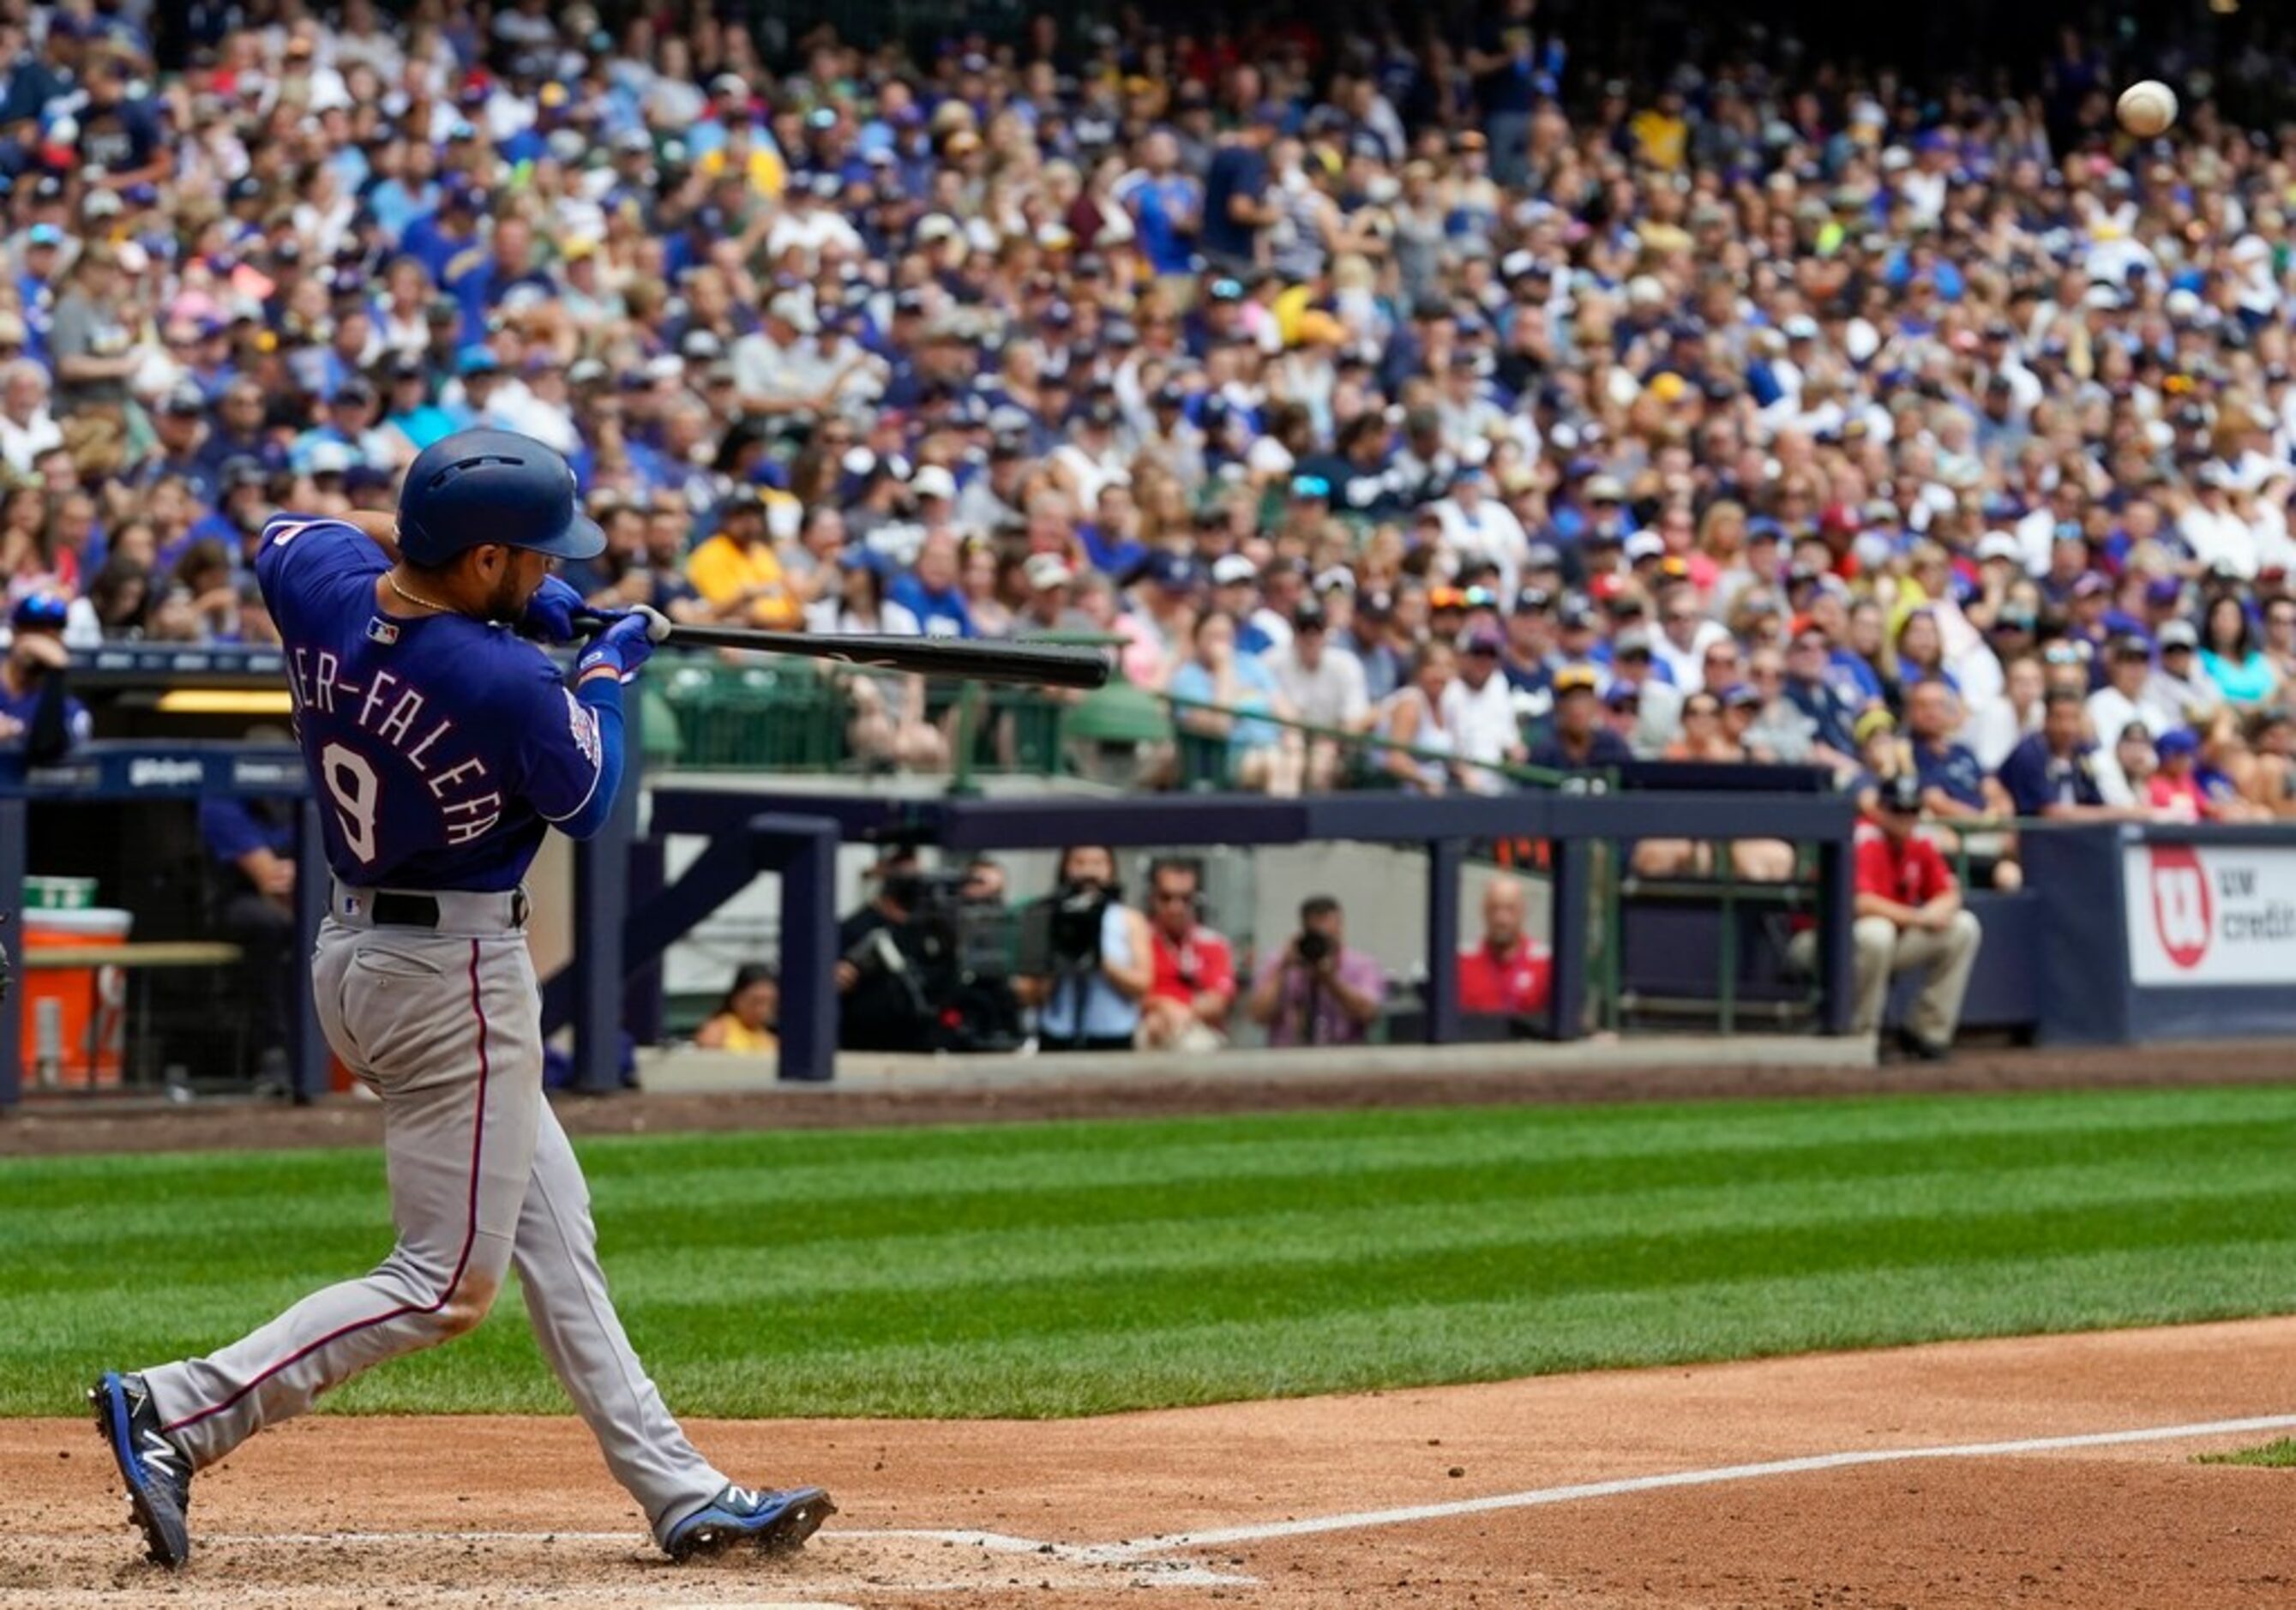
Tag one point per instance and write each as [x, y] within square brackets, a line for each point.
[381, 630]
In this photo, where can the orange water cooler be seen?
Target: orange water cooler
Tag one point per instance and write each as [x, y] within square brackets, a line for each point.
[75, 1018]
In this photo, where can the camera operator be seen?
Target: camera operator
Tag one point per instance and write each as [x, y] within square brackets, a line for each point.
[1194, 975]
[36, 709]
[1317, 991]
[890, 973]
[1100, 965]
[985, 1009]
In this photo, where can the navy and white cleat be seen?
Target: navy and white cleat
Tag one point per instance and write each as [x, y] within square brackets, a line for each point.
[774, 1523]
[158, 1474]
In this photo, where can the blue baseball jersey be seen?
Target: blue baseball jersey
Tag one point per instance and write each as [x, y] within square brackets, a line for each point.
[442, 748]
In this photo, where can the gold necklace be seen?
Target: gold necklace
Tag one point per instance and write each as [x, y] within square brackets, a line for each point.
[391, 581]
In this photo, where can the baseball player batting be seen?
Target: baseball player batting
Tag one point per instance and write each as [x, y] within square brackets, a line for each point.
[444, 748]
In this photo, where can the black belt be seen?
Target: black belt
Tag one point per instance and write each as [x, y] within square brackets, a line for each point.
[392, 910]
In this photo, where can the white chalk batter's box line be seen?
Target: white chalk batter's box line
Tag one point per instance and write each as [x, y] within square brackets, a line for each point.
[1136, 1558]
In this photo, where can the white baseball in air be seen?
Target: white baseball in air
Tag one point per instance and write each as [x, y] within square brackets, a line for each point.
[2147, 108]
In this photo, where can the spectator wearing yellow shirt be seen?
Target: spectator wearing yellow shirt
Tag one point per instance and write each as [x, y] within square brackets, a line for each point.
[748, 1020]
[737, 573]
[1661, 134]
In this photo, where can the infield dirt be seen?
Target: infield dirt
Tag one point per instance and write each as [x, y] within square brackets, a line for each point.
[334, 1511]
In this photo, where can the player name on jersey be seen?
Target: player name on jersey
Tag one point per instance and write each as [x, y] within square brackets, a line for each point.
[389, 709]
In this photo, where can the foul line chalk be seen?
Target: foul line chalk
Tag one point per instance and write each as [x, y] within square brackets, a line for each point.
[1315, 1525]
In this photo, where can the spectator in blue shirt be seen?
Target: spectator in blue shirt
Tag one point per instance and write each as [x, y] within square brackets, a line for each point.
[1579, 741]
[1236, 206]
[1810, 688]
[1954, 787]
[932, 591]
[37, 713]
[2051, 773]
[1218, 689]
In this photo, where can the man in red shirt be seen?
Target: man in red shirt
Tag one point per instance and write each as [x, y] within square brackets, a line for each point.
[1910, 916]
[1508, 974]
[1192, 988]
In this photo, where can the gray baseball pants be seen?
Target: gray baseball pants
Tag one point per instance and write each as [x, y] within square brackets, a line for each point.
[445, 1024]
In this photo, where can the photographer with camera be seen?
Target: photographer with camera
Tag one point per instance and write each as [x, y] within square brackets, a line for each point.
[1194, 986]
[1317, 991]
[37, 713]
[891, 973]
[1097, 958]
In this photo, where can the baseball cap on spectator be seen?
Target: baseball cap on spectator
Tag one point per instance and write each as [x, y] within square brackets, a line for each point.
[1532, 601]
[1172, 572]
[1310, 489]
[1742, 695]
[2129, 645]
[1871, 721]
[331, 458]
[1576, 679]
[1605, 488]
[933, 482]
[2178, 634]
[1234, 570]
[184, 401]
[2163, 590]
[1483, 640]
[1309, 616]
[1542, 556]
[2090, 585]
[2179, 741]
[1623, 695]
[475, 360]
[1644, 544]
[794, 310]
[1632, 644]
[1046, 571]
[1999, 545]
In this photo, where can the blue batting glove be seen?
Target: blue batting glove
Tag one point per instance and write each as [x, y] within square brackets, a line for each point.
[550, 611]
[626, 645]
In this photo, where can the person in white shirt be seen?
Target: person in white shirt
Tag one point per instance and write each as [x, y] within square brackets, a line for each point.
[2180, 693]
[1479, 530]
[2128, 666]
[2218, 534]
[1324, 683]
[1478, 710]
[1684, 635]
[809, 223]
[1998, 724]
[27, 429]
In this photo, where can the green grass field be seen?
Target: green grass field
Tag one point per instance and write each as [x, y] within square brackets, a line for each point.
[1076, 1268]
[2280, 1455]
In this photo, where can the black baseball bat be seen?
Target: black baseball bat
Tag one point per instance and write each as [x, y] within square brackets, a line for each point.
[958, 659]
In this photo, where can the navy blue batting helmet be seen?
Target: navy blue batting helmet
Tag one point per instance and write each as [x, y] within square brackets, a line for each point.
[477, 487]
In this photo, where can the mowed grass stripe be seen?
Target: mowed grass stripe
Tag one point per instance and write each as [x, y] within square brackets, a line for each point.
[1049, 1268]
[1197, 1183]
[1402, 1344]
[927, 1267]
[1069, 1234]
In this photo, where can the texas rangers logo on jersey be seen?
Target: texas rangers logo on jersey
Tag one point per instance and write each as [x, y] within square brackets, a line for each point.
[584, 723]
